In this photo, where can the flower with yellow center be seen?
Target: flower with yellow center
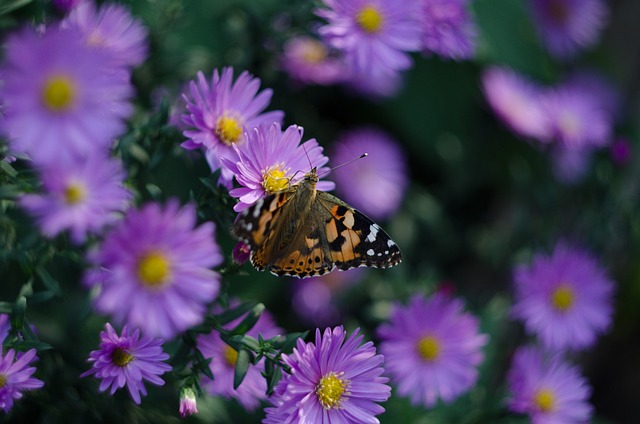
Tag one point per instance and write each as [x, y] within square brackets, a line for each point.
[331, 390]
[230, 356]
[58, 93]
[154, 269]
[228, 130]
[563, 298]
[121, 357]
[544, 400]
[274, 179]
[314, 52]
[74, 193]
[428, 348]
[370, 19]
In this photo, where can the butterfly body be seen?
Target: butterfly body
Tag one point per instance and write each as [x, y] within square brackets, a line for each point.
[302, 232]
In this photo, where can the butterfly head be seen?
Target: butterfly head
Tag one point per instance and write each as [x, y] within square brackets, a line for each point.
[311, 176]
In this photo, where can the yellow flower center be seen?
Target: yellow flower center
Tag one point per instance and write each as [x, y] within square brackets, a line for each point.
[3, 380]
[121, 357]
[562, 298]
[230, 356]
[369, 19]
[274, 179]
[228, 130]
[544, 400]
[314, 52]
[74, 194]
[429, 348]
[330, 390]
[59, 93]
[153, 269]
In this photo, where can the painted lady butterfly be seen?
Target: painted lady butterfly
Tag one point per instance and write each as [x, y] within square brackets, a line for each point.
[302, 232]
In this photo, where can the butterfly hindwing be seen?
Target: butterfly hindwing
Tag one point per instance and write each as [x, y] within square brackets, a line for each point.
[354, 239]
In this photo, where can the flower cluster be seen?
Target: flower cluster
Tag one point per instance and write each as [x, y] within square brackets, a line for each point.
[574, 117]
[365, 44]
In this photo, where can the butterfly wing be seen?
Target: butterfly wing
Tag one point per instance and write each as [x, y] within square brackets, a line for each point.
[353, 239]
[260, 224]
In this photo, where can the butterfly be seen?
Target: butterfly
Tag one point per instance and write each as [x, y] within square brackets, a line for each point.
[302, 232]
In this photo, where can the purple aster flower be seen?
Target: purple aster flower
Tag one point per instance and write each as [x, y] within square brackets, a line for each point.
[333, 380]
[432, 349]
[16, 376]
[223, 361]
[309, 61]
[547, 389]
[518, 102]
[565, 299]
[271, 160]
[568, 26]
[5, 327]
[81, 196]
[153, 269]
[376, 184]
[315, 300]
[188, 402]
[218, 113]
[112, 28]
[373, 35]
[128, 360]
[449, 30]
[570, 165]
[578, 117]
[241, 253]
[62, 98]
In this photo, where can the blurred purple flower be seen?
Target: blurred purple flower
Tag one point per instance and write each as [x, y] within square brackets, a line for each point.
[568, 26]
[547, 389]
[376, 184]
[621, 151]
[432, 349]
[16, 376]
[271, 160]
[578, 116]
[188, 402]
[309, 61]
[81, 196]
[570, 166]
[128, 360]
[153, 270]
[315, 300]
[373, 35]
[223, 361]
[517, 101]
[62, 98]
[218, 113]
[66, 5]
[565, 299]
[448, 29]
[332, 381]
[111, 28]
[5, 326]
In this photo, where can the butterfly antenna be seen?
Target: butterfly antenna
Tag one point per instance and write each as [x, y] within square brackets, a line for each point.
[364, 155]
[307, 155]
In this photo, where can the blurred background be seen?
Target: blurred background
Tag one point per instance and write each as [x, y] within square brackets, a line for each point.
[480, 199]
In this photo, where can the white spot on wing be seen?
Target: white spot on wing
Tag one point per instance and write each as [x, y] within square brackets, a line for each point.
[257, 208]
[373, 232]
[370, 252]
[249, 226]
[390, 243]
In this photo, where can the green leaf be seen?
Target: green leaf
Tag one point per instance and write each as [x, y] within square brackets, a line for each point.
[24, 345]
[17, 314]
[8, 169]
[242, 366]
[290, 341]
[234, 313]
[249, 321]
[48, 281]
[12, 5]
[6, 307]
[241, 341]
